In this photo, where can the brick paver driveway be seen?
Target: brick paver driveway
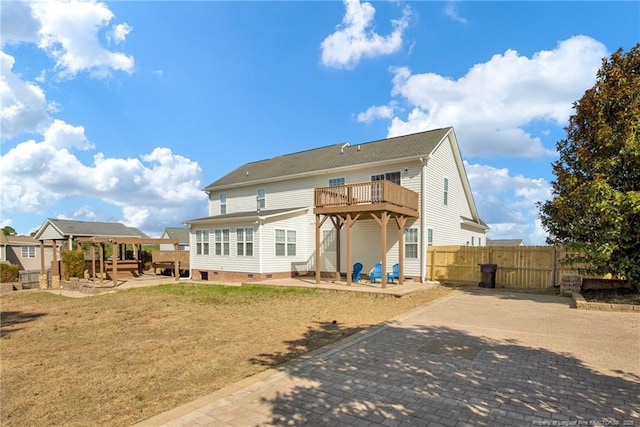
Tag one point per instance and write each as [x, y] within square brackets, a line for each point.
[475, 358]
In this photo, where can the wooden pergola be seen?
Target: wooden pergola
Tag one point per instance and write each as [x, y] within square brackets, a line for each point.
[381, 201]
[116, 243]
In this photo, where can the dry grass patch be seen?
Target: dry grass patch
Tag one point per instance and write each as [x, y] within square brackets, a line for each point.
[116, 359]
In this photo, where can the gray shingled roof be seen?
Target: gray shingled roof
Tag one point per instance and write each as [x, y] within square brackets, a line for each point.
[333, 156]
[89, 228]
[246, 214]
[180, 233]
[505, 242]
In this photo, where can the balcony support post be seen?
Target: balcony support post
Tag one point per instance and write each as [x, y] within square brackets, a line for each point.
[319, 221]
[401, 221]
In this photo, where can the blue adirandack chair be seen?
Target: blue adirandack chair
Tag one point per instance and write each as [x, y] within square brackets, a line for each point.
[376, 272]
[355, 274]
[395, 275]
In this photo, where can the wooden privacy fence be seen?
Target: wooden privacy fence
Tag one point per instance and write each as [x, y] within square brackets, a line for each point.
[518, 266]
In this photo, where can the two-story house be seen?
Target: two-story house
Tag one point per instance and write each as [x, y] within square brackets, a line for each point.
[324, 209]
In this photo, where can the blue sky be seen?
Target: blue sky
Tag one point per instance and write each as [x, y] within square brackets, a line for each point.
[124, 111]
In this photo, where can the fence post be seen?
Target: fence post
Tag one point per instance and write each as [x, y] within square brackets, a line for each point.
[553, 266]
[433, 261]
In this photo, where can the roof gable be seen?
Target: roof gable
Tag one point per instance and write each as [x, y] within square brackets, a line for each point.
[333, 157]
[180, 233]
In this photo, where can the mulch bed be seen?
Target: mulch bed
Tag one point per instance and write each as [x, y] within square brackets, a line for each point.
[612, 296]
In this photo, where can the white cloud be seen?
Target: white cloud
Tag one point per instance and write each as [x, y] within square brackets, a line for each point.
[158, 188]
[376, 112]
[119, 32]
[508, 203]
[355, 38]
[17, 24]
[493, 103]
[69, 33]
[451, 10]
[23, 104]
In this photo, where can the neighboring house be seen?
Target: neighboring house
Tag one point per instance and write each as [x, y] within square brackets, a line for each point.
[180, 233]
[268, 219]
[505, 242]
[23, 251]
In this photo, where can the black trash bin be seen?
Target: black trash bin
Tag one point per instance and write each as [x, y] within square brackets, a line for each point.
[488, 279]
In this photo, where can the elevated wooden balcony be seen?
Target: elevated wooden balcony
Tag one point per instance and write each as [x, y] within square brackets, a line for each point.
[366, 197]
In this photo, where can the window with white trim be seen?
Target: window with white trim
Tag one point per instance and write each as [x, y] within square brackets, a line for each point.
[446, 191]
[244, 238]
[202, 242]
[334, 182]
[261, 198]
[28, 251]
[430, 236]
[473, 241]
[221, 241]
[411, 243]
[285, 242]
[223, 203]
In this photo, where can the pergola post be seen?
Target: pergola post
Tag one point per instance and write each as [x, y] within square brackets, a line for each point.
[93, 261]
[101, 254]
[114, 266]
[55, 275]
[176, 267]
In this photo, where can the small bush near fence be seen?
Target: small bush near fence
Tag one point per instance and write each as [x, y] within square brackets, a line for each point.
[73, 264]
[9, 272]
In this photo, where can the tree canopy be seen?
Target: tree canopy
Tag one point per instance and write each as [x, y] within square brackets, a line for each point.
[7, 230]
[595, 205]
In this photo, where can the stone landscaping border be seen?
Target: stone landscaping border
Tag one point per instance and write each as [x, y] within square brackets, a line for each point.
[582, 304]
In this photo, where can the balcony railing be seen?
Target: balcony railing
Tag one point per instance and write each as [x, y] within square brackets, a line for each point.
[366, 193]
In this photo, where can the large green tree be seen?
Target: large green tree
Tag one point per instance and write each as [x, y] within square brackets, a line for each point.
[595, 205]
[8, 230]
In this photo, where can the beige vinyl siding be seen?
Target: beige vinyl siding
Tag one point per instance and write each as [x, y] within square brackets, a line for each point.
[50, 233]
[299, 192]
[304, 244]
[445, 219]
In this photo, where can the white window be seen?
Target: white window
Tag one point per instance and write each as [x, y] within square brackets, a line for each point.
[334, 182]
[244, 241]
[222, 241]
[285, 242]
[202, 242]
[411, 243]
[261, 198]
[223, 203]
[479, 241]
[28, 252]
[446, 191]
[430, 236]
[472, 241]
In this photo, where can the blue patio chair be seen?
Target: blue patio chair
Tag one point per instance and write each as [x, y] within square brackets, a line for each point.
[355, 274]
[395, 275]
[376, 272]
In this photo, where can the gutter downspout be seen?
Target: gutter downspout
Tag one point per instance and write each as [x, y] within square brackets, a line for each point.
[423, 220]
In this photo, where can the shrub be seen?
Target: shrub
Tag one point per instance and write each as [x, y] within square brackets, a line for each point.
[73, 262]
[9, 272]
